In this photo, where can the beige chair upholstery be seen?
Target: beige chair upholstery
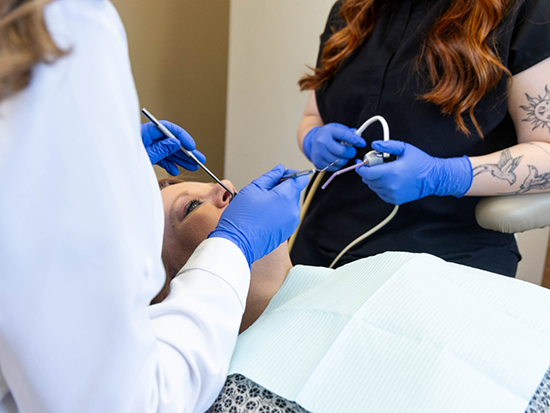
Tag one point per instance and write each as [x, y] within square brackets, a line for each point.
[515, 213]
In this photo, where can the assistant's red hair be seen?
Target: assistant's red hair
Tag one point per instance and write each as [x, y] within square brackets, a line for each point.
[458, 53]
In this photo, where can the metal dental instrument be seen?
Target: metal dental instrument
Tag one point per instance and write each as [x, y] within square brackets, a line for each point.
[297, 174]
[190, 154]
[306, 172]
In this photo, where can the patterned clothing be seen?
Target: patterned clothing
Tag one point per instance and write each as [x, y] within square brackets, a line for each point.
[540, 403]
[242, 395]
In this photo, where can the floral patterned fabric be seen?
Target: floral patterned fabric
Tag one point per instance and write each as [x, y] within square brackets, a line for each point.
[241, 395]
[540, 403]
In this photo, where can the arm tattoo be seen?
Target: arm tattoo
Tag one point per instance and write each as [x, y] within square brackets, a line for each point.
[533, 181]
[504, 169]
[538, 111]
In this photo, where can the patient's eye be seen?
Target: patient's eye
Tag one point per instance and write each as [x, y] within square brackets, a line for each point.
[191, 206]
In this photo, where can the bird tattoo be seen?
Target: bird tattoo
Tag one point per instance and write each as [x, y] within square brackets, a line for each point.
[534, 181]
[504, 169]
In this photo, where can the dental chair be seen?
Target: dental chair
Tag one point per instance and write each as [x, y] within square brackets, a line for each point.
[514, 213]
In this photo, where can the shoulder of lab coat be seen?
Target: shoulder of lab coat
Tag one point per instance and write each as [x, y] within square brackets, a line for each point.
[81, 224]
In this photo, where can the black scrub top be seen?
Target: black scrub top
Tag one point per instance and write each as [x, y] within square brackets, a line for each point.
[380, 78]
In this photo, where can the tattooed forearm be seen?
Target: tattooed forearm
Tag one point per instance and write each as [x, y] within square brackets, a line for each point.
[533, 181]
[504, 169]
[538, 111]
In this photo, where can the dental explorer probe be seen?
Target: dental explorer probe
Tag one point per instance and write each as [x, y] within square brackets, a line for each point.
[190, 154]
[305, 172]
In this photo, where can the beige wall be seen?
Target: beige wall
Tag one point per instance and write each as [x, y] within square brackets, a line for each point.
[532, 246]
[546, 278]
[179, 52]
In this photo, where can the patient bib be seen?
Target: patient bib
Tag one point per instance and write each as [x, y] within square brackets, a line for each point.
[400, 332]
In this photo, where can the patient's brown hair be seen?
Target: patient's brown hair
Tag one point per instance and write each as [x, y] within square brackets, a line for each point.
[24, 42]
[163, 183]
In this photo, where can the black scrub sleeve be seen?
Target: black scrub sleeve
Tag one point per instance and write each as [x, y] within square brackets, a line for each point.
[530, 43]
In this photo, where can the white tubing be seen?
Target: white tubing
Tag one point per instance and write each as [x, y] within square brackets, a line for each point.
[359, 132]
[365, 235]
[385, 128]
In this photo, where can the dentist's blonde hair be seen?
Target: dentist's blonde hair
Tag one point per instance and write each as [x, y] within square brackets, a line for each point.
[24, 42]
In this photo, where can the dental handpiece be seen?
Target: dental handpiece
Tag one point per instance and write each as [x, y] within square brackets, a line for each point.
[370, 159]
[190, 154]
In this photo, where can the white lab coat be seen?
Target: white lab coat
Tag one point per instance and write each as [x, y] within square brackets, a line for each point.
[81, 223]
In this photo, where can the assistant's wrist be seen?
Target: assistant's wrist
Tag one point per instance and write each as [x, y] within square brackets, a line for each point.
[307, 143]
[455, 176]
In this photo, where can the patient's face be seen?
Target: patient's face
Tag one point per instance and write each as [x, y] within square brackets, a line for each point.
[191, 211]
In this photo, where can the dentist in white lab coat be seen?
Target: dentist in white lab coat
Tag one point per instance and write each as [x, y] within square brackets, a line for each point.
[81, 227]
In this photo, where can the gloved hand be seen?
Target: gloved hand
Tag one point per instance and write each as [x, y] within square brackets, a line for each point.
[165, 151]
[263, 215]
[415, 174]
[323, 145]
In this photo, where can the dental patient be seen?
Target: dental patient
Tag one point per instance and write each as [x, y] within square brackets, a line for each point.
[397, 332]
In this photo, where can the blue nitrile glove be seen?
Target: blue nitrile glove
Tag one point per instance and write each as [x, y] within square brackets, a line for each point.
[323, 145]
[165, 151]
[415, 174]
[263, 215]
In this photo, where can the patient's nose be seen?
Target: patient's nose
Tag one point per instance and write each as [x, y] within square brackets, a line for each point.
[220, 195]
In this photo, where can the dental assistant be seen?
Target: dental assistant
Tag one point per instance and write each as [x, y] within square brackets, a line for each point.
[81, 231]
[465, 88]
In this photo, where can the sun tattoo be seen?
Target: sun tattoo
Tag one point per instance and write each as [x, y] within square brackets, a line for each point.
[538, 112]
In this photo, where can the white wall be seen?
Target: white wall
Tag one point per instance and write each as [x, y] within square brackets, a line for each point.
[270, 43]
